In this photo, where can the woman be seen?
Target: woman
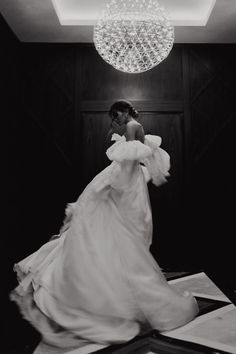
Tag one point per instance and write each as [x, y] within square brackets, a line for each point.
[98, 284]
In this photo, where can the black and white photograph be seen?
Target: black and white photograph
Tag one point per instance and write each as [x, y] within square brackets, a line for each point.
[119, 123]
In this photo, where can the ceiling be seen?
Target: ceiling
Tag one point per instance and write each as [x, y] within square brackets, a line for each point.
[71, 21]
[182, 12]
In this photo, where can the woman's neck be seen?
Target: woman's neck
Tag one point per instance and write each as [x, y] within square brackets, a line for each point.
[129, 119]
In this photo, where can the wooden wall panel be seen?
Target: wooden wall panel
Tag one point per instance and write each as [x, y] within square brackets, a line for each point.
[166, 201]
[211, 190]
[57, 98]
[47, 94]
[64, 96]
[102, 82]
[159, 96]
[43, 168]
[167, 125]
[95, 130]
[212, 76]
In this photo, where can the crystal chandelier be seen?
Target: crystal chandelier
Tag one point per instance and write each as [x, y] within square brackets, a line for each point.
[133, 35]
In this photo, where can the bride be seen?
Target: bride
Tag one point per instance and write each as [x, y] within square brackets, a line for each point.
[97, 284]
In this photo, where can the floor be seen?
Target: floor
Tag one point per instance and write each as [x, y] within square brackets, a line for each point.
[151, 343]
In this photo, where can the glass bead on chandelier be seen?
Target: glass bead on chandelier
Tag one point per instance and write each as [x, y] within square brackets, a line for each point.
[133, 35]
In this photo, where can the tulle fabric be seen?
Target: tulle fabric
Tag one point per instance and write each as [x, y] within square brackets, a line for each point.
[98, 283]
[155, 161]
[158, 163]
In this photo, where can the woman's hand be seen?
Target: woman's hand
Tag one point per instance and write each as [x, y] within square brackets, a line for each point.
[116, 128]
[115, 125]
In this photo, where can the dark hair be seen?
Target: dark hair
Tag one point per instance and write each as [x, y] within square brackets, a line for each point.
[123, 106]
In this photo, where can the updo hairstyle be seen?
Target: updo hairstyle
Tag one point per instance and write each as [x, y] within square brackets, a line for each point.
[123, 106]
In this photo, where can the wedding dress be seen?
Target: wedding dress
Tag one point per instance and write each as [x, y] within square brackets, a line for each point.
[98, 283]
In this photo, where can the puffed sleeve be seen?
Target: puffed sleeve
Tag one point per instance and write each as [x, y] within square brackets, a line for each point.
[126, 157]
[158, 163]
[123, 150]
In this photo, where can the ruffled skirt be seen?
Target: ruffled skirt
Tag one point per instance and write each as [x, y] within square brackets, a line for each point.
[98, 283]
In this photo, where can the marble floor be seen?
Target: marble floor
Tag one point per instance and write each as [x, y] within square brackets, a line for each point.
[213, 331]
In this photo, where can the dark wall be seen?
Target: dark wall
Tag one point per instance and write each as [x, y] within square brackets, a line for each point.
[212, 183]
[15, 330]
[39, 111]
[41, 166]
[57, 97]
[60, 125]
[65, 92]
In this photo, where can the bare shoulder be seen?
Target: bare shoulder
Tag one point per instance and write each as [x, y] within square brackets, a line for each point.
[134, 130]
[133, 124]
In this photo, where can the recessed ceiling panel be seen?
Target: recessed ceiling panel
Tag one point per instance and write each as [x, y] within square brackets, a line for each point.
[181, 12]
[194, 20]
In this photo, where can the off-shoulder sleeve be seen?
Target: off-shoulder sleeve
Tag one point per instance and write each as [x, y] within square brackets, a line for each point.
[123, 150]
[125, 153]
[125, 157]
[158, 164]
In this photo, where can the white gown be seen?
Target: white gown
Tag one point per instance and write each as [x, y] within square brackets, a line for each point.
[98, 284]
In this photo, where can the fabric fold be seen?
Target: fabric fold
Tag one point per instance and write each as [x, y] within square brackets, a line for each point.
[128, 150]
[156, 161]
[97, 282]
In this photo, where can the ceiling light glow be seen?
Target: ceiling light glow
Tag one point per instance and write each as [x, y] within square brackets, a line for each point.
[133, 35]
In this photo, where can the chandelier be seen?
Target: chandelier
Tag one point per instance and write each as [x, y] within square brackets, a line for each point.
[133, 35]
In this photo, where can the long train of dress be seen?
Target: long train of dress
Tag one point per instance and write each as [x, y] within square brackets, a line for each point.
[98, 284]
